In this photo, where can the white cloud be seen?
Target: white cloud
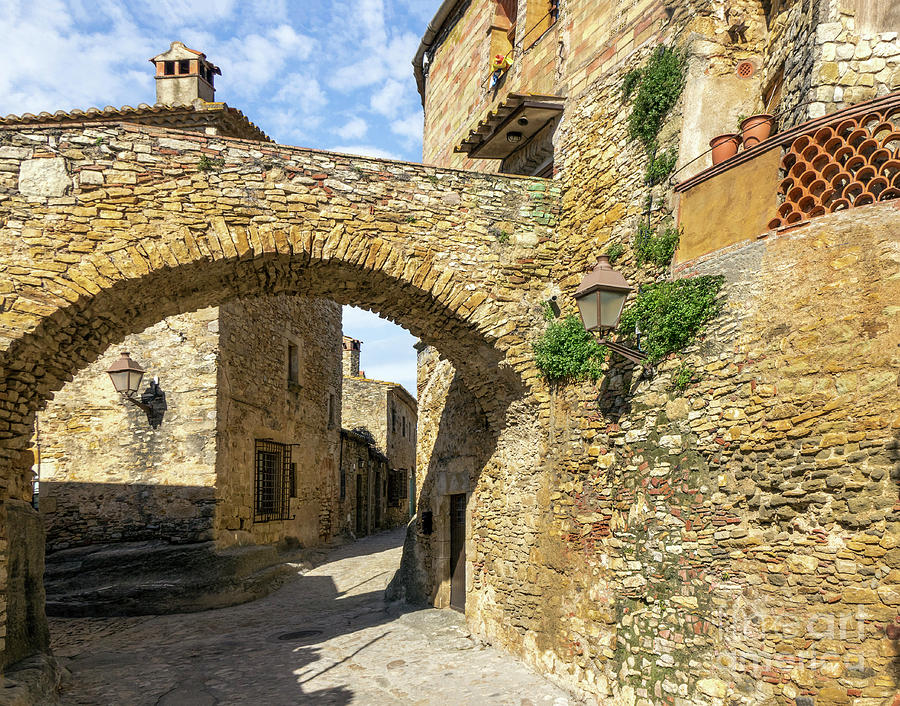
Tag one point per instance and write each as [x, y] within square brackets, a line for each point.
[365, 151]
[389, 99]
[354, 129]
[409, 127]
[303, 92]
[255, 60]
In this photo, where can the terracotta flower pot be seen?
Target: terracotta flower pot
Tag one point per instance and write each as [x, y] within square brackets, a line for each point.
[724, 147]
[756, 128]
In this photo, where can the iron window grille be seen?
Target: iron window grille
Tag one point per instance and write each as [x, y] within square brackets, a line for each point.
[274, 481]
[397, 487]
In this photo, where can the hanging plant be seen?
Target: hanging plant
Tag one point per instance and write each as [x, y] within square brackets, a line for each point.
[566, 352]
[658, 89]
[670, 314]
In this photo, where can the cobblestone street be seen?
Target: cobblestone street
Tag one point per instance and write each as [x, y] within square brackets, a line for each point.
[361, 650]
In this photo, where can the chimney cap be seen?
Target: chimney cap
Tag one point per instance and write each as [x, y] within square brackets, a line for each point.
[178, 51]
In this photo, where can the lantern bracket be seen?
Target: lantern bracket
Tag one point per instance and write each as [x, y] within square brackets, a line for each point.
[638, 357]
[152, 402]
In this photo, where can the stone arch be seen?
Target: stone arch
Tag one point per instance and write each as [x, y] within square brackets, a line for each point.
[444, 316]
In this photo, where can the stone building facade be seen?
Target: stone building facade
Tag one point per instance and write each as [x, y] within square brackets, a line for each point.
[248, 449]
[731, 541]
[387, 414]
[678, 524]
[363, 485]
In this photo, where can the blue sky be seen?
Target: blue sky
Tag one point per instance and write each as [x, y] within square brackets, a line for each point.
[329, 74]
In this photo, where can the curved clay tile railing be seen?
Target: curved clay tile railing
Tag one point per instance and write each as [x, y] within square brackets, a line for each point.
[853, 161]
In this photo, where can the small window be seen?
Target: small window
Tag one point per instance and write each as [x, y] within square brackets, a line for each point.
[274, 473]
[293, 480]
[293, 363]
[541, 16]
[184, 66]
[169, 68]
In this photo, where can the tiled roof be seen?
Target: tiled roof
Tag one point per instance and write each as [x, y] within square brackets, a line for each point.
[230, 121]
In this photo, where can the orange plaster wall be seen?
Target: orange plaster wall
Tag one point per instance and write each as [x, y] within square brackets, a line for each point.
[731, 207]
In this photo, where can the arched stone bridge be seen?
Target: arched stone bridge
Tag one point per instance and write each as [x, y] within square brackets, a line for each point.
[107, 230]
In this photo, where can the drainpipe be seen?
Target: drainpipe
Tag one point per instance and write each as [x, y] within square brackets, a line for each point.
[444, 11]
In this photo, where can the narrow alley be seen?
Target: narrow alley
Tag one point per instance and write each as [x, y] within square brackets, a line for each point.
[326, 637]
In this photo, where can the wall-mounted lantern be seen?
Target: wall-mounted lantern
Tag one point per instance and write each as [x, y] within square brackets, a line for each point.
[126, 376]
[601, 298]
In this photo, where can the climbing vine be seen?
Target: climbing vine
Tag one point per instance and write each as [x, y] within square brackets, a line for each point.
[660, 166]
[656, 246]
[615, 251]
[670, 314]
[566, 352]
[658, 89]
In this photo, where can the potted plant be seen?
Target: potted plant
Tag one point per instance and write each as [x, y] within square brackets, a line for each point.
[724, 147]
[756, 128]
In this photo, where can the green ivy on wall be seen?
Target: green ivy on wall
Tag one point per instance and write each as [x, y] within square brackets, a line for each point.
[670, 314]
[658, 89]
[656, 247]
[566, 352]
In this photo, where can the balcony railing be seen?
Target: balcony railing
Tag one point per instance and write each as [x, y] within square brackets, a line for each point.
[847, 159]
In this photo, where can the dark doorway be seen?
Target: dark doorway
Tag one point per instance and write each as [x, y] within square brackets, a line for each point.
[378, 497]
[458, 552]
[361, 498]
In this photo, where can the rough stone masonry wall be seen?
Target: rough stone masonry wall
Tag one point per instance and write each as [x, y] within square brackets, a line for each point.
[854, 62]
[738, 542]
[256, 401]
[361, 462]
[454, 446]
[364, 406]
[105, 474]
[401, 449]
[152, 234]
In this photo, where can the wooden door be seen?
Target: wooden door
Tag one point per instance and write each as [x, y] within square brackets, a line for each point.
[458, 552]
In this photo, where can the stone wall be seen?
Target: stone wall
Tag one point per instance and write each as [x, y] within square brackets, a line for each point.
[454, 445]
[105, 474]
[364, 507]
[257, 401]
[364, 408]
[152, 234]
[853, 63]
[387, 412]
[734, 543]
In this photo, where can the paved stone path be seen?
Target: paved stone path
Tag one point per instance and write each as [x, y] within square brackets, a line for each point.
[363, 651]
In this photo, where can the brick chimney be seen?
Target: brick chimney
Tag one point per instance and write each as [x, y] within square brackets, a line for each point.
[183, 75]
[351, 357]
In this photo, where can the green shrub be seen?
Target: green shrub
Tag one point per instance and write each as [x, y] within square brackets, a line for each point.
[682, 377]
[615, 251]
[670, 314]
[566, 351]
[658, 89]
[630, 82]
[661, 166]
[656, 247]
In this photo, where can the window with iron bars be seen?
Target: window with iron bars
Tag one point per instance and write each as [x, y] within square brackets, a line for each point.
[398, 488]
[274, 481]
